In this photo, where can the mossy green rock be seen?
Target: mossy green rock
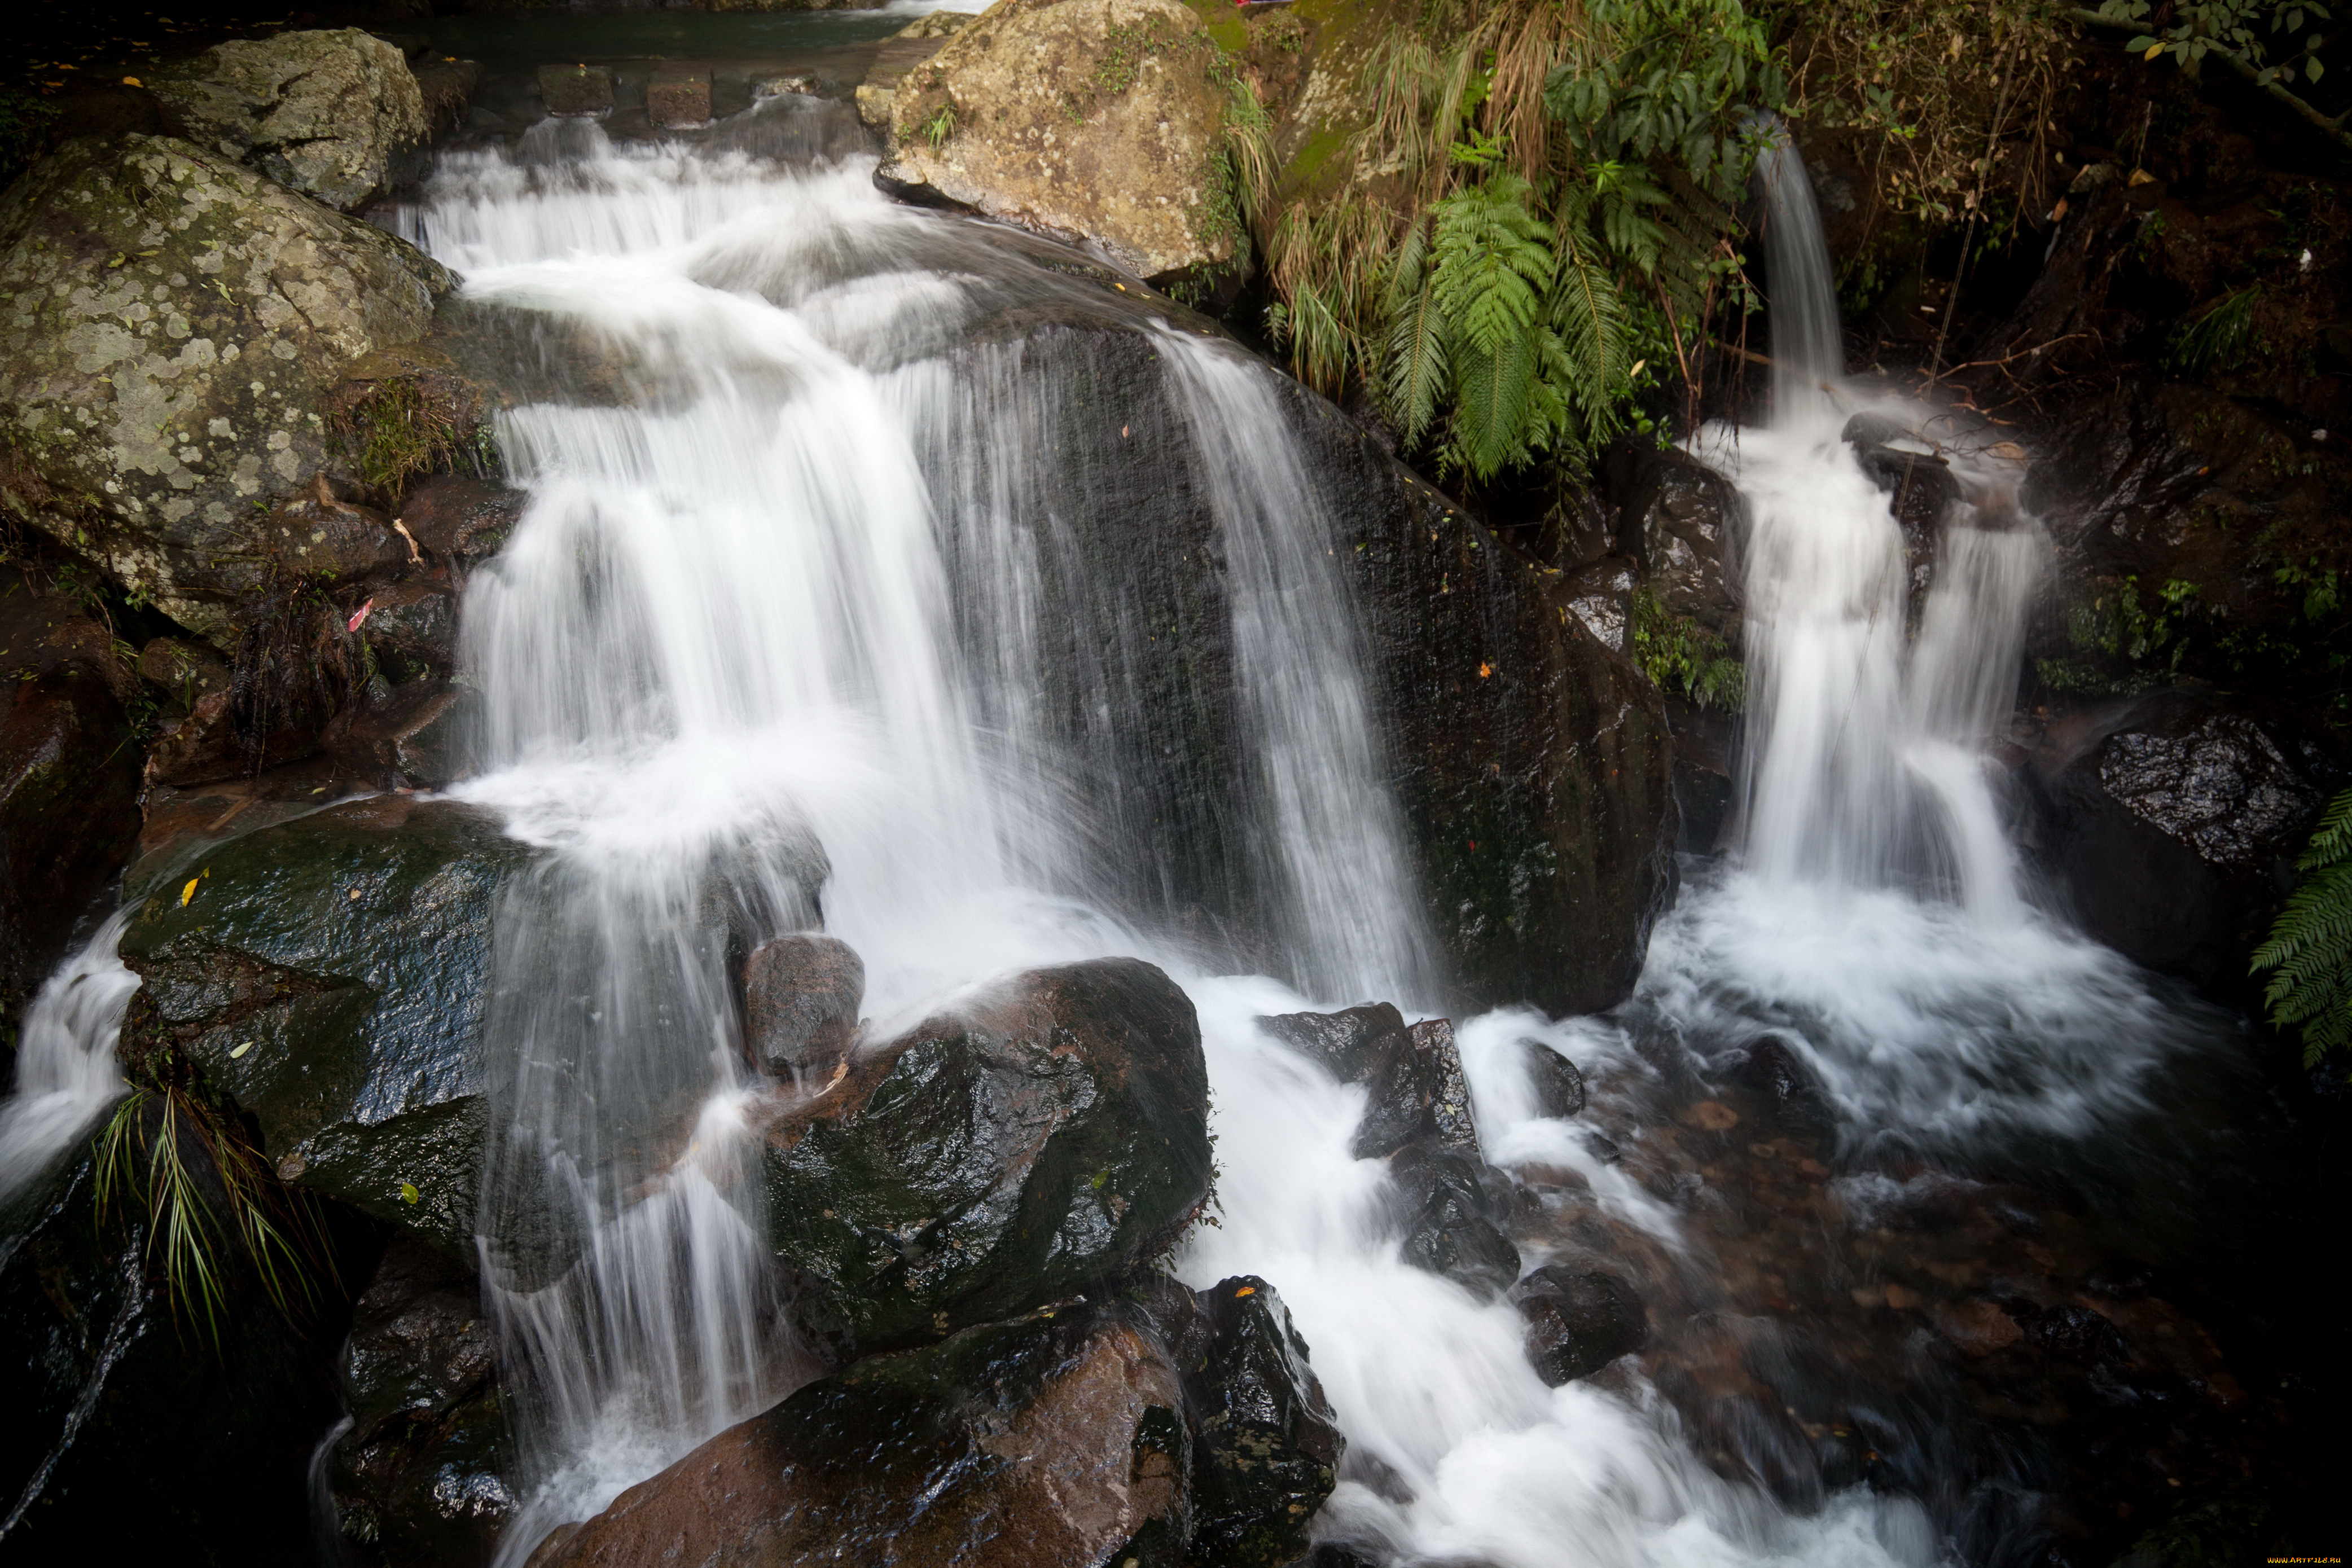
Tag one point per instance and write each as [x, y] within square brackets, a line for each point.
[335, 114]
[1098, 119]
[332, 974]
[169, 324]
[994, 1158]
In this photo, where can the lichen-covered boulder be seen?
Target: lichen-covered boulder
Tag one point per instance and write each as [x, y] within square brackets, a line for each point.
[1095, 119]
[1010, 1153]
[331, 975]
[169, 325]
[336, 115]
[1054, 1441]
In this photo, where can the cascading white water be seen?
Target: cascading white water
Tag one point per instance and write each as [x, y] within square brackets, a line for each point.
[64, 1058]
[798, 589]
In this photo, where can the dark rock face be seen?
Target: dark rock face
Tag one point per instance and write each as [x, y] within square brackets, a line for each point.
[799, 1005]
[101, 1382]
[1414, 1075]
[416, 1479]
[1452, 1210]
[1557, 1082]
[331, 976]
[994, 1158]
[1266, 1446]
[1578, 1321]
[461, 522]
[2171, 824]
[1054, 1441]
[178, 321]
[68, 782]
[409, 735]
[1685, 521]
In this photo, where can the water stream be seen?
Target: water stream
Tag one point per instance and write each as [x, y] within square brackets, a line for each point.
[817, 612]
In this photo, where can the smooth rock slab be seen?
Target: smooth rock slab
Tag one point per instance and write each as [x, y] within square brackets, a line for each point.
[336, 115]
[332, 974]
[1020, 1148]
[1056, 1441]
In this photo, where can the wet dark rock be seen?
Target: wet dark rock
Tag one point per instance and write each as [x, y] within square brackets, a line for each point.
[1452, 1208]
[1601, 594]
[1558, 1085]
[1684, 521]
[679, 96]
[1034, 1141]
[801, 994]
[102, 1381]
[185, 669]
[336, 115]
[2075, 1334]
[1265, 1446]
[168, 390]
[417, 1479]
[331, 976]
[412, 630]
[407, 736]
[1414, 1076]
[447, 86]
[2172, 823]
[462, 522]
[1578, 1321]
[68, 782]
[1056, 1440]
[1792, 1090]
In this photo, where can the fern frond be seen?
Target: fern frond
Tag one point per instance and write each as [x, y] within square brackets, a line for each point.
[2309, 949]
[1493, 265]
[1502, 407]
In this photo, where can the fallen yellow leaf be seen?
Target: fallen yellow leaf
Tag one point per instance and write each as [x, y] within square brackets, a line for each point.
[189, 892]
[2153, 50]
[408, 1192]
[1484, 670]
[1245, 1290]
[240, 1050]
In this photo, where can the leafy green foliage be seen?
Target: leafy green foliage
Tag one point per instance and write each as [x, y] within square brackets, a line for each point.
[2148, 633]
[1560, 168]
[2218, 337]
[1680, 655]
[2188, 30]
[25, 121]
[210, 1205]
[2309, 952]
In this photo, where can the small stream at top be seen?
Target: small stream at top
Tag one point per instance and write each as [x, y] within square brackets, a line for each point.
[807, 619]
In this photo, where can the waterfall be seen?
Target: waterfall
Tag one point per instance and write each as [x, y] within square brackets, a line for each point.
[64, 1058]
[992, 649]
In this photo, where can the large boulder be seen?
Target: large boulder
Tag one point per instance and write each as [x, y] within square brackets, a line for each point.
[68, 780]
[1100, 120]
[1054, 1441]
[2169, 823]
[336, 115]
[172, 324]
[1019, 1149]
[331, 975]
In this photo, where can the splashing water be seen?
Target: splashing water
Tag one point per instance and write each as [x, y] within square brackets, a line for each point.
[64, 1058]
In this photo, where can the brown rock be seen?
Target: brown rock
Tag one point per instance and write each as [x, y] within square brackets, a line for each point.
[678, 96]
[461, 521]
[1093, 118]
[799, 1005]
[1709, 1115]
[1977, 1327]
[1053, 1440]
[576, 89]
[409, 738]
[317, 534]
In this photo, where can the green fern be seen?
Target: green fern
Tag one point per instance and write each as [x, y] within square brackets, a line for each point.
[1419, 376]
[1493, 266]
[2309, 951]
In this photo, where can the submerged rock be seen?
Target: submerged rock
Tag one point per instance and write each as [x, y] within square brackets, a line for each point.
[1578, 1321]
[1414, 1076]
[1453, 1208]
[174, 324]
[336, 115]
[1558, 1083]
[1030, 1144]
[331, 975]
[1053, 1441]
[1092, 119]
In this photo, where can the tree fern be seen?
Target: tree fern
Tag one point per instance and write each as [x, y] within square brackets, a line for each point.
[1493, 264]
[2309, 951]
